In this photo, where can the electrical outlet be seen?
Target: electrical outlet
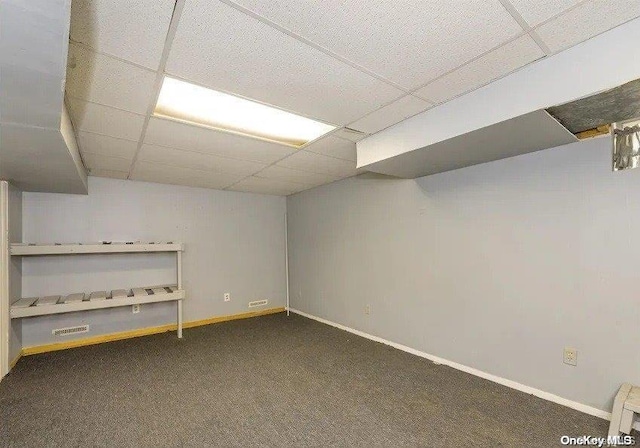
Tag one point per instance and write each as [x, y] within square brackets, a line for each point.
[135, 309]
[367, 309]
[570, 356]
[227, 296]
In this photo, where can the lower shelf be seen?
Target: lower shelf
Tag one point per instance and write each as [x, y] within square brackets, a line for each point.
[139, 297]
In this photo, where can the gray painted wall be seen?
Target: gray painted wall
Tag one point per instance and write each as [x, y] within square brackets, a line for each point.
[234, 242]
[497, 266]
[15, 269]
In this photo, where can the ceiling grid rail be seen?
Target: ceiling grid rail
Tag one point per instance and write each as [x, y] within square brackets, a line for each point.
[525, 26]
[352, 80]
[526, 31]
[171, 33]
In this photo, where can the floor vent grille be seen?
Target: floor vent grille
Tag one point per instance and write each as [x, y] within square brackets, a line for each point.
[70, 330]
[258, 303]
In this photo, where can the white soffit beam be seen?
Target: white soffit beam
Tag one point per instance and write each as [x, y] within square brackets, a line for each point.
[574, 73]
[42, 159]
[75, 167]
[38, 149]
[33, 59]
[520, 135]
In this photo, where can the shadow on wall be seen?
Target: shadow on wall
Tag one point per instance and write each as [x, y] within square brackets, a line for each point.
[525, 171]
[376, 176]
[519, 172]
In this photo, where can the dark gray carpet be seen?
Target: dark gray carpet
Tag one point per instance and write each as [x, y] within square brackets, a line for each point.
[267, 381]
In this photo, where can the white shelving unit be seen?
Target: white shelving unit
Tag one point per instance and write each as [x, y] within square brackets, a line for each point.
[29, 307]
[24, 249]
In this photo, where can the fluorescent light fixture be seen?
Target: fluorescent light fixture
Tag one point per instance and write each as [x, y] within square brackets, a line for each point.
[192, 104]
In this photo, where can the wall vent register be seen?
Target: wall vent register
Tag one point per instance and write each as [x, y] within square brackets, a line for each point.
[70, 330]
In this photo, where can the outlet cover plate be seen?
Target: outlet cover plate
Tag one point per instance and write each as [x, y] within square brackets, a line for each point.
[570, 356]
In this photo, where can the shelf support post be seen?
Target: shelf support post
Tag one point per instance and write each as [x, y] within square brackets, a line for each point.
[179, 269]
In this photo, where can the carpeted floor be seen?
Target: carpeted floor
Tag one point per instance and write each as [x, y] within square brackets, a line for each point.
[268, 381]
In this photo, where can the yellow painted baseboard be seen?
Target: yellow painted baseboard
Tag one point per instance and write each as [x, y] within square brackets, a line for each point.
[141, 332]
[15, 361]
[218, 319]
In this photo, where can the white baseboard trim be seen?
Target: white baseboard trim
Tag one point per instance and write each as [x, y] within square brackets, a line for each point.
[479, 373]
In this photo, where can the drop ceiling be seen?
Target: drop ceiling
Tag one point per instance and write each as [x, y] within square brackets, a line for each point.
[359, 65]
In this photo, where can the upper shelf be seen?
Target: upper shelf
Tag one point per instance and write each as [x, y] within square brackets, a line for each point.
[24, 249]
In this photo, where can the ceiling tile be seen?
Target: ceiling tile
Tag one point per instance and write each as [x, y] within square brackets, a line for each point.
[109, 173]
[308, 178]
[334, 147]
[101, 79]
[349, 134]
[489, 67]
[99, 161]
[391, 114]
[267, 186]
[224, 49]
[134, 30]
[195, 138]
[166, 174]
[91, 117]
[197, 160]
[538, 11]
[587, 20]
[106, 146]
[317, 163]
[409, 43]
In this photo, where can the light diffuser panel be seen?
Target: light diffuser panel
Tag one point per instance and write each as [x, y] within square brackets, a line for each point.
[190, 103]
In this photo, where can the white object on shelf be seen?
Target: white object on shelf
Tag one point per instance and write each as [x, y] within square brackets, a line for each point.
[23, 249]
[98, 295]
[119, 294]
[158, 291]
[72, 298]
[68, 307]
[139, 292]
[24, 302]
[48, 300]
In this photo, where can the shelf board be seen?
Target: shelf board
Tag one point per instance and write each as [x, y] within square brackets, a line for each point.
[59, 308]
[22, 249]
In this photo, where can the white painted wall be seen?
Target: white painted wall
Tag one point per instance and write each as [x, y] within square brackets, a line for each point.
[234, 243]
[15, 269]
[497, 266]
